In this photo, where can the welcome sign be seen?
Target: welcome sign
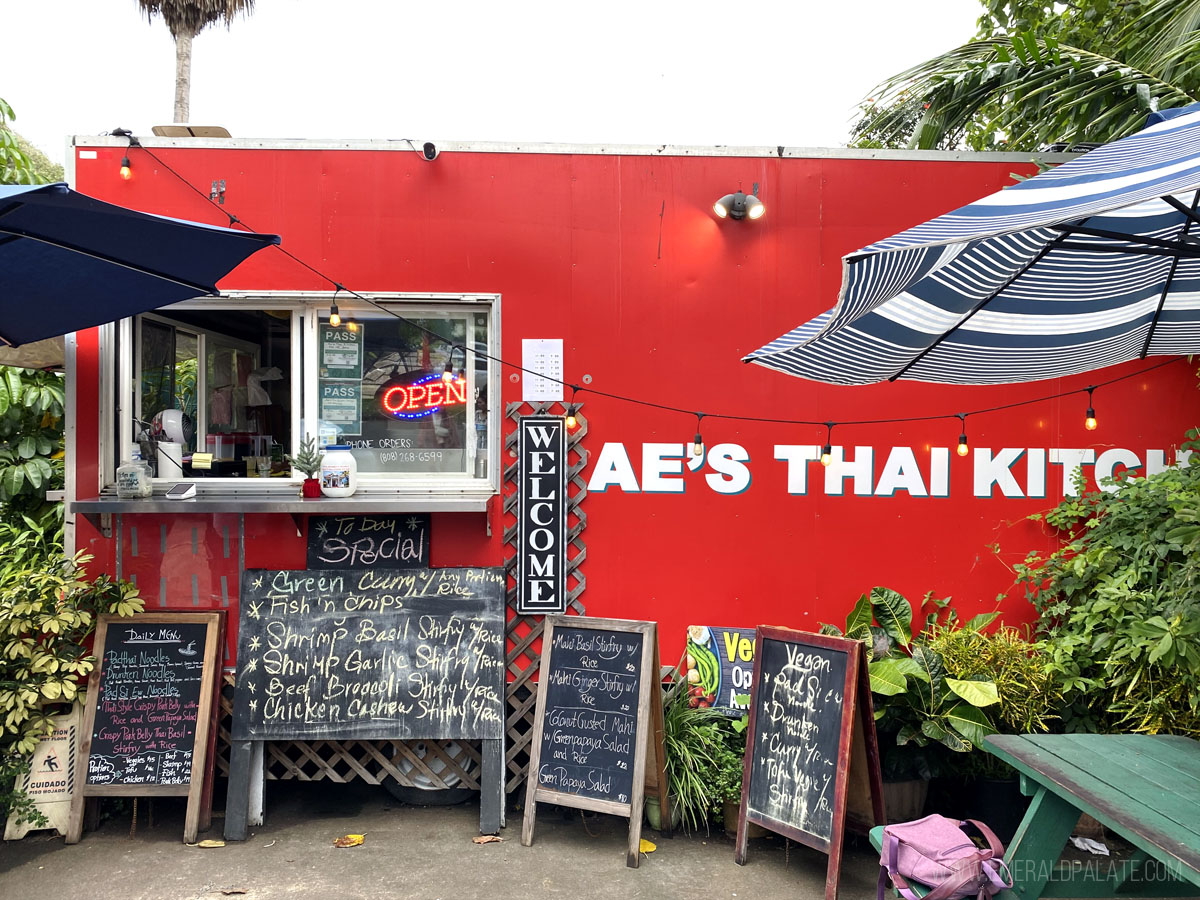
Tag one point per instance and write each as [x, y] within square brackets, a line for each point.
[542, 515]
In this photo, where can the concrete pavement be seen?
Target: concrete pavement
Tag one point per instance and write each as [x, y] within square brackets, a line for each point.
[410, 852]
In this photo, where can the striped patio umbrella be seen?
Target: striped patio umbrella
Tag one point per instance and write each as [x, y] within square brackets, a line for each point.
[1092, 263]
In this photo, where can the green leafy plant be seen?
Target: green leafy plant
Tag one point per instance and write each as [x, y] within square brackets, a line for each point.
[47, 612]
[921, 709]
[1119, 603]
[31, 448]
[308, 460]
[704, 764]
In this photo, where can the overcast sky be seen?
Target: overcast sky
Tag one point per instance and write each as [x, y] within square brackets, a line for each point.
[750, 72]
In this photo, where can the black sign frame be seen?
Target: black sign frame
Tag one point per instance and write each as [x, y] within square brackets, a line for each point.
[194, 788]
[649, 759]
[541, 510]
[855, 699]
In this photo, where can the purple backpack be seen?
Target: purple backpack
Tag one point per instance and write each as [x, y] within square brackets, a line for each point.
[936, 853]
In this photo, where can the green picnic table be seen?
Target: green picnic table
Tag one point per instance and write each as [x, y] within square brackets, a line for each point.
[1143, 788]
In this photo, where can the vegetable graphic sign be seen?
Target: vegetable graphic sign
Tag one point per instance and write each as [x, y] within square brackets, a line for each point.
[720, 663]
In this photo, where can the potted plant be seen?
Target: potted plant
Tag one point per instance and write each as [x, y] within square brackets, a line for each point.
[692, 739]
[308, 461]
[925, 716]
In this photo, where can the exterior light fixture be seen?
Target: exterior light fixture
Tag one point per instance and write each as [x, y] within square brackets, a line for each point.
[335, 318]
[963, 447]
[1090, 421]
[827, 449]
[740, 205]
[126, 172]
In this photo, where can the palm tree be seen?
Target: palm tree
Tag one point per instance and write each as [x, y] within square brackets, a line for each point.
[185, 19]
[1090, 72]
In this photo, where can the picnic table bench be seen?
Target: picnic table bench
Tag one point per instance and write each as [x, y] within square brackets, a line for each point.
[1143, 788]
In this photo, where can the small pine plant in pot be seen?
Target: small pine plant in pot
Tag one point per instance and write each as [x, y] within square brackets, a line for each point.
[308, 461]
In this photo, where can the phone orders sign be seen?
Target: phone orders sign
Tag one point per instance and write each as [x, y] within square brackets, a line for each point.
[542, 515]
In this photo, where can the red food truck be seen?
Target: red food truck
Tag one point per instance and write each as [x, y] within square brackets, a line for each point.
[555, 279]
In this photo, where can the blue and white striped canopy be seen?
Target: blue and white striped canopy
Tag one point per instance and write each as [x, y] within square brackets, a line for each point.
[1092, 263]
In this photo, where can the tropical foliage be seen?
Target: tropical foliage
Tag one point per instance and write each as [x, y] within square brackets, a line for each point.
[1038, 73]
[1119, 603]
[185, 19]
[31, 438]
[16, 167]
[920, 706]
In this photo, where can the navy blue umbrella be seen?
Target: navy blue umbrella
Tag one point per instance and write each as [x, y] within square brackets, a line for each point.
[68, 261]
[1092, 263]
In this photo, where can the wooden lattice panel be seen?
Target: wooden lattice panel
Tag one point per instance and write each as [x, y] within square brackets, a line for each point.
[376, 761]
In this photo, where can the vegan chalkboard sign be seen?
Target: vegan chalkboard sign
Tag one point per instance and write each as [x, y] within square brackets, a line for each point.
[149, 711]
[370, 654]
[598, 720]
[368, 542]
[806, 691]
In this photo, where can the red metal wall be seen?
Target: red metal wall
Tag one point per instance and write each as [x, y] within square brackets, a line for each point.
[655, 298]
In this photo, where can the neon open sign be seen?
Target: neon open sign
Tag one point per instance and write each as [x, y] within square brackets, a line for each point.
[423, 397]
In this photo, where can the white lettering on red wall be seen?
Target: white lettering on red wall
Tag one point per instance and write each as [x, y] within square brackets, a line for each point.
[1007, 472]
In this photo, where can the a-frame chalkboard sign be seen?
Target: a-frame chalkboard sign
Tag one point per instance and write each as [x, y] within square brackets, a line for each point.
[806, 691]
[597, 733]
[150, 711]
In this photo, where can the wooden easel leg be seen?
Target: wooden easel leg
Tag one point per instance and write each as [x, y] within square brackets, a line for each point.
[491, 785]
[256, 805]
[237, 803]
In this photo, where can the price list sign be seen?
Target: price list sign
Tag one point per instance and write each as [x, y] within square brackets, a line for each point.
[598, 717]
[148, 718]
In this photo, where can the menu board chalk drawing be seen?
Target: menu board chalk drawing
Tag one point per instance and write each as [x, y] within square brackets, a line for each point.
[597, 734]
[805, 695]
[148, 717]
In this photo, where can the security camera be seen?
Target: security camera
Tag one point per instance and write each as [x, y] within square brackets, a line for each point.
[429, 151]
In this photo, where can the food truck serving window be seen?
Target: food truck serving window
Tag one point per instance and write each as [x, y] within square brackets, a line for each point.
[223, 392]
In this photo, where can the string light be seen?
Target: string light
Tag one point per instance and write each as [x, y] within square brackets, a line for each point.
[827, 450]
[571, 407]
[126, 172]
[448, 372]
[1090, 422]
[698, 444]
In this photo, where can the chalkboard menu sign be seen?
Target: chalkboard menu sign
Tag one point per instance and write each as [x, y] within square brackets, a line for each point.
[144, 729]
[371, 654]
[590, 726]
[799, 740]
[149, 707]
[368, 542]
[599, 709]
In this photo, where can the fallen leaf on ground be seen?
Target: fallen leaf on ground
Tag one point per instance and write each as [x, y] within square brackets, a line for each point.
[349, 840]
[487, 839]
[228, 891]
[211, 843]
[647, 846]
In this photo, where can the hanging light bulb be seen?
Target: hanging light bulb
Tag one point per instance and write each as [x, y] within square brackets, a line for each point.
[571, 423]
[1090, 421]
[963, 449]
[335, 318]
[448, 372]
[126, 171]
[827, 450]
[698, 442]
